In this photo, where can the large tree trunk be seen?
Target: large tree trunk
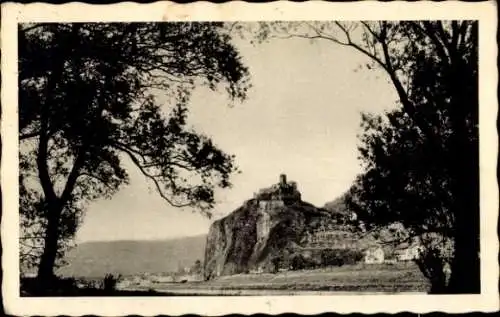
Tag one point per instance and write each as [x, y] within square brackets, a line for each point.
[465, 267]
[51, 239]
[54, 211]
[55, 203]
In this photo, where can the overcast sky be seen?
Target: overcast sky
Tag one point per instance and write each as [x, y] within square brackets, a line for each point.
[301, 118]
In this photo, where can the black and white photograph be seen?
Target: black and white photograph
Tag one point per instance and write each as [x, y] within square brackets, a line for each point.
[290, 158]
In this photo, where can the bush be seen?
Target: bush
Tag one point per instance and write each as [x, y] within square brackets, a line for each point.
[327, 257]
[300, 262]
[110, 281]
[432, 265]
[353, 256]
[297, 262]
[57, 287]
[275, 263]
[339, 257]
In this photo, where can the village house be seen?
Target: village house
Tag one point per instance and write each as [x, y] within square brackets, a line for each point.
[374, 255]
[408, 254]
[258, 270]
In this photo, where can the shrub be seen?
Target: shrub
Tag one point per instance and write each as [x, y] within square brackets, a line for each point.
[297, 262]
[339, 257]
[275, 263]
[331, 257]
[432, 265]
[353, 256]
[300, 262]
[110, 281]
[58, 286]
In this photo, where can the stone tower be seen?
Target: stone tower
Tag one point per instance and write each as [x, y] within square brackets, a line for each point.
[283, 180]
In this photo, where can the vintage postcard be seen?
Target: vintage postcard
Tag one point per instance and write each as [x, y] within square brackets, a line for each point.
[245, 158]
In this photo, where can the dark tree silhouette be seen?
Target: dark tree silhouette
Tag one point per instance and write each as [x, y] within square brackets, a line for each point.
[406, 181]
[433, 68]
[87, 103]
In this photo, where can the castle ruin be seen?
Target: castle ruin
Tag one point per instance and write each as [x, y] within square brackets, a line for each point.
[284, 191]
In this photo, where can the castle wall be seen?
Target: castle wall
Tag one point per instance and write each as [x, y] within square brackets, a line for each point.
[268, 205]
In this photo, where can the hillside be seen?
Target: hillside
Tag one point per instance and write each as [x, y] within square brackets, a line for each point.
[274, 221]
[338, 206]
[376, 238]
[95, 259]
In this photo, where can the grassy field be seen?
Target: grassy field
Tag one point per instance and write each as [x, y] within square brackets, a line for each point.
[350, 279]
[401, 277]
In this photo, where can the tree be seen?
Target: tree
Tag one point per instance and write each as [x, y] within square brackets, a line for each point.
[433, 68]
[407, 181]
[297, 262]
[276, 262]
[197, 267]
[87, 103]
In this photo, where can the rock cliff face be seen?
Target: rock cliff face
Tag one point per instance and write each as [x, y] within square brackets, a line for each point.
[247, 239]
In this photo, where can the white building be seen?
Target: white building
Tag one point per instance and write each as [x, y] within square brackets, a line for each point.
[374, 256]
[410, 253]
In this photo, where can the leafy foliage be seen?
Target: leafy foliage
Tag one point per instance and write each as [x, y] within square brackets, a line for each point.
[197, 268]
[340, 257]
[109, 282]
[421, 161]
[88, 100]
[412, 174]
[404, 179]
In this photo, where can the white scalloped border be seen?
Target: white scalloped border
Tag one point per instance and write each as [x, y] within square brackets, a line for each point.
[242, 11]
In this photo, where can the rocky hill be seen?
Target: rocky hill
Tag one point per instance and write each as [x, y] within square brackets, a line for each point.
[275, 219]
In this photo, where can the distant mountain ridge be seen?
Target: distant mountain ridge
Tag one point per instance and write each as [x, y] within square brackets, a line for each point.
[97, 258]
[246, 239]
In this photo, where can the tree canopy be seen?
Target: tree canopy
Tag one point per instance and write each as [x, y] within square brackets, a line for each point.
[412, 174]
[421, 161]
[88, 101]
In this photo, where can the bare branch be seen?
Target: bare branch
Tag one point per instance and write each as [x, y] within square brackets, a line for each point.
[151, 177]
